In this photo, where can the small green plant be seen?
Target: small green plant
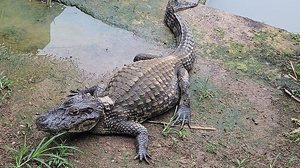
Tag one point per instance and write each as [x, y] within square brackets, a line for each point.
[290, 162]
[204, 91]
[235, 48]
[296, 37]
[182, 133]
[295, 134]
[5, 87]
[219, 32]
[297, 70]
[170, 128]
[295, 137]
[272, 165]
[47, 153]
[211, 147]
[239, 163]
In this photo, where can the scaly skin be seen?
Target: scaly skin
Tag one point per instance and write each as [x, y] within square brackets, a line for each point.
[146, 88]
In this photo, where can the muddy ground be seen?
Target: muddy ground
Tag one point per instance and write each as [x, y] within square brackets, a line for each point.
[235, 88]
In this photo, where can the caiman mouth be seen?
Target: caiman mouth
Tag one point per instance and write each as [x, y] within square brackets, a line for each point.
[58, 120]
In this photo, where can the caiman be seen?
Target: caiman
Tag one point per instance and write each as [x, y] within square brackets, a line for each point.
[148, 87]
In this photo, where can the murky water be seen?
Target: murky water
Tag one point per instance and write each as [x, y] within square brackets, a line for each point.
[66, 32]
[94, 45]
[24, 25]
[279, 13]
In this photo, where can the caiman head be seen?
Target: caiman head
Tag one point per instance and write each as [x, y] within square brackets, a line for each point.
[77, 113]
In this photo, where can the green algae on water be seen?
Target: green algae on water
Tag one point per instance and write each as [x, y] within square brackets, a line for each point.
[24, 25]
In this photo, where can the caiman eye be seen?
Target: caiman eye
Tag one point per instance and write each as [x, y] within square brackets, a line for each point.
[89, 110]
[73, 111]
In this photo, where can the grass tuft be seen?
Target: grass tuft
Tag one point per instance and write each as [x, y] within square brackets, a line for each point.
[5, 88]
[172, 128]
[204, 92]
[296, 37]
[240, 163]
[211, 147]
[48, 153]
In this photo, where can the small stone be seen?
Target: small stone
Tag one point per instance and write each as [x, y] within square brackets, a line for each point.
[256, 123]
[182, 161]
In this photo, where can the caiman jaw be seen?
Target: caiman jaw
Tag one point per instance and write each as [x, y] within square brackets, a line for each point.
[85, 126]
[80, 113]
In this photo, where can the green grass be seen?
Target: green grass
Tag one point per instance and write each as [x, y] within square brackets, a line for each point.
[272, 165]
[203, 90]
[240, 163]
[290, 162]
[295, 134]
[297, 70]
[295, 137]
[48, 153]
[172, 128]
[211, 147]
[296, 37]
[5, 88]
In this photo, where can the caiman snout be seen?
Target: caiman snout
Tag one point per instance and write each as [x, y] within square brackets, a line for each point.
[40, 122]
[41, 119]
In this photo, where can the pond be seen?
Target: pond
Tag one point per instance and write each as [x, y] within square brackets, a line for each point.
[66, 32]
[278, 13]
[95, 46]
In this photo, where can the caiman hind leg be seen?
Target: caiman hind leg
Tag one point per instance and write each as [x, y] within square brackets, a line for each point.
[183, 113]
[95, 90]
[143, 56]
[137, 130]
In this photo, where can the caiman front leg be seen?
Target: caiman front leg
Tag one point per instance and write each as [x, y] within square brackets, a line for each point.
[183, 113]
[95, 90]
[143, 56]
[137, 130]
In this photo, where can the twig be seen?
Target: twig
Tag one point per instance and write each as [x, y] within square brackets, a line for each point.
[192, 126]
[295, 75]
[292, 96]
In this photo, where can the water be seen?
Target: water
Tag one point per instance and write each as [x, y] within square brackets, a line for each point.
[24, 25]
[95, 46]
[66, 32]
[279, 13]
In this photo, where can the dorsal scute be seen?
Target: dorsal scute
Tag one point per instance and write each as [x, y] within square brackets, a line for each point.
[183, 35]
[142, 80]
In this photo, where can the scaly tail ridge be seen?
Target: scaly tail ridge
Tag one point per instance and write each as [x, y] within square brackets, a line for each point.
[183, 34]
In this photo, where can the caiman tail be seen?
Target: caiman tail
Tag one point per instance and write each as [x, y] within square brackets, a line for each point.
[183, 34]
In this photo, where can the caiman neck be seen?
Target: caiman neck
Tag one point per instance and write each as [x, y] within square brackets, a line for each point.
[101, 126]
[107, 102]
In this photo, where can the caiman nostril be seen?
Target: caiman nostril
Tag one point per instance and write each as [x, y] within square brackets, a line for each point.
[41, 119]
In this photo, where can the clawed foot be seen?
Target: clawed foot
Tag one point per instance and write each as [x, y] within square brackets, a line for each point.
[143, 155]
[183, 116]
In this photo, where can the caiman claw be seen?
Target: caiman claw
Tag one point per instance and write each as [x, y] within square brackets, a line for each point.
[183, 116]
[143, 155]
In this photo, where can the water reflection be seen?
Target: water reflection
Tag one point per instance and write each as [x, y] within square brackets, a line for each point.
[94, 45]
